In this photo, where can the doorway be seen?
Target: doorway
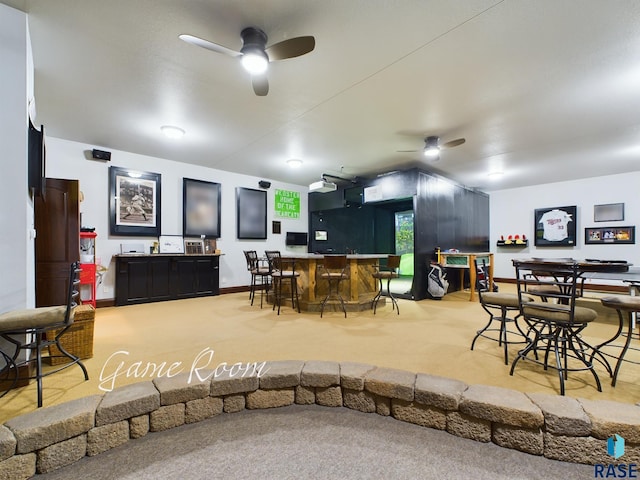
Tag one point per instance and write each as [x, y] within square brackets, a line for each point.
[404, 228]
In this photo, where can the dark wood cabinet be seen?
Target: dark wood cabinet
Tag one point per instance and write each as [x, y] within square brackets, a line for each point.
[155, 278]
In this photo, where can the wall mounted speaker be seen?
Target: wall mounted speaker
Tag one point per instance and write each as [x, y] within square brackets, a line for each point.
[264, 184]
[101, 155]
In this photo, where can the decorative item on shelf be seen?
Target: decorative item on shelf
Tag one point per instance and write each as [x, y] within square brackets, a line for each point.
[513, 241]
[194, 247]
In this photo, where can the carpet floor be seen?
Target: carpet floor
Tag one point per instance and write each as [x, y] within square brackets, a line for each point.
[312, 442]
[427, 336]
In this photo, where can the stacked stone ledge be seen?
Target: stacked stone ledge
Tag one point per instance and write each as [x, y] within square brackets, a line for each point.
[560, 428]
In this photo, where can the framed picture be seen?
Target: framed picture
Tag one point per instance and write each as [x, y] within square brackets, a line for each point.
[171, 244]
[200, 208]
[608, 212]
[134, 202]
[276, 227]
[610, 235]
[251, 210]
[555, 227]
[321, 235]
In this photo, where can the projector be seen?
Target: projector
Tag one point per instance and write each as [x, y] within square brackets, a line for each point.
[322, 186]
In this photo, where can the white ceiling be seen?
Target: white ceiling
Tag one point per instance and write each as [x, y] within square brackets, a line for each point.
[545, 90]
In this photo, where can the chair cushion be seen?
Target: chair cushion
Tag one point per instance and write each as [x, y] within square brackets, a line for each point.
[332, 275]
[32, 318]
[554, 312]
[629, 304]
[503, 299]
[285, 274]
[385, 275]
[542, 289]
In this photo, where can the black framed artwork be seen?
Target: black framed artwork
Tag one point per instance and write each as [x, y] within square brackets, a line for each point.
[610, 235]
[555, 227]
[251, 211]
[608, 212]
[134, 202]
[200, 208]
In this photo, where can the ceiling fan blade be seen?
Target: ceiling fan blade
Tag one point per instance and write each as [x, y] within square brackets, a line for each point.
[294, 47]
[260, 85]
[214, 47]
[454, 143]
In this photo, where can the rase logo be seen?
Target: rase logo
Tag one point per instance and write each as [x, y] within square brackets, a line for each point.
[615, 448]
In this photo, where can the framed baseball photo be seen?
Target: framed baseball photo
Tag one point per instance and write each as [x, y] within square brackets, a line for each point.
[200, 208]
[134, 203]
[555, 227]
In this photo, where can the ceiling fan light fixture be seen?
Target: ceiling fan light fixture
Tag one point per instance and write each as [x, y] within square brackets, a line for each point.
[431, 151]
[255, 61]
[171, 131]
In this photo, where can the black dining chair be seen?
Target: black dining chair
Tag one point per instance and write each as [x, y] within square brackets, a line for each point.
[35, 329]
[334, 269]
[555, 322]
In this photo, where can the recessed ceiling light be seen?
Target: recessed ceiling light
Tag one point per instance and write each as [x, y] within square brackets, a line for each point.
[170, 131]
[496, 175]
[294, 162]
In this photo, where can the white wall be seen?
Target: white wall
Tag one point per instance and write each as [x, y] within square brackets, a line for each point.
[67, 159]
[16, 209]
[511, 213]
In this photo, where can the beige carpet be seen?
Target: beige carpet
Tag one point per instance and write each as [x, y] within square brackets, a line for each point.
[428, 336]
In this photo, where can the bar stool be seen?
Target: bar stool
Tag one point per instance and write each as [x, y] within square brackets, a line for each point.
[278, 274]
[259, 273]
[390, 272]
[42, 327]
[498, 306]
[628, 305]
[334, 270]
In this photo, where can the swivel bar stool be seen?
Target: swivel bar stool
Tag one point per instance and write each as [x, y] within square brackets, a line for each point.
[622, 305]
[334, 270]
[387, 273]
[499, 306]
[278, 274]
[259, 274]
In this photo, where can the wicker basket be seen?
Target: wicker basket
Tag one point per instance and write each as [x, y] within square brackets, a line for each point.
[78, 340]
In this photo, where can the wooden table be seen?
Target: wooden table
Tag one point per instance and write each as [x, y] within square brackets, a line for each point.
[358, 290]
[465, 261]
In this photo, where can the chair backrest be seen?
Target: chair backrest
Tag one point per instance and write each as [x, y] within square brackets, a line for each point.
[393, 262]
[275, 260]
[73, 292]
[335, 262]
[251, 256]
[482, 276]
[560, 285]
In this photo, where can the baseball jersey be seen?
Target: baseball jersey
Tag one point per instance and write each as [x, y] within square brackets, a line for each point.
[555, 224]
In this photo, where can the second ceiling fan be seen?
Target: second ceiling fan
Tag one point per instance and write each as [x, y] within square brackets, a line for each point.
[255, 55]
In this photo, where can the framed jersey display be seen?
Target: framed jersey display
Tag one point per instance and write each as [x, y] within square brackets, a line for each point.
[555, 227]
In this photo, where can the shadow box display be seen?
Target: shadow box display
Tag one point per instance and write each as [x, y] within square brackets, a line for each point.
[134, 202]
[603, 235]
[555, 227]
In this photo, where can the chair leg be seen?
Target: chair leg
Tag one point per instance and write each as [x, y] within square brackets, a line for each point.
[394, 302]
[377, 297]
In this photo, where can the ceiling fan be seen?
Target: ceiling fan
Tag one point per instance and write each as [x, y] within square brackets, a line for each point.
[255, 55]
[432, 146]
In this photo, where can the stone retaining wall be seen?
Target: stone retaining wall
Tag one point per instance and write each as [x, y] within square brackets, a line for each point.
[560, 428]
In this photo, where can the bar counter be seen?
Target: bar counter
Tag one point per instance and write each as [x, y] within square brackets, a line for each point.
[357, 290]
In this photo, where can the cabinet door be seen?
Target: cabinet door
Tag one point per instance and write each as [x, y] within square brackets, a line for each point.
[185, 277]
[207, 276]
[132, 284]
[159, 279]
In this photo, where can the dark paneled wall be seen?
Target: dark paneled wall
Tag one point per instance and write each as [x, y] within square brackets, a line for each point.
[446, 215]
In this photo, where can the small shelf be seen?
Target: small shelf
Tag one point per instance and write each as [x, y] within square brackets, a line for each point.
[512, 243]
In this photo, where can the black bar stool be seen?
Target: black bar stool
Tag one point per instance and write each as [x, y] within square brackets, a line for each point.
[499, 306]
[628, 305]
[334, 270]
[388, 272]
[259, 274]
[278, 274]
